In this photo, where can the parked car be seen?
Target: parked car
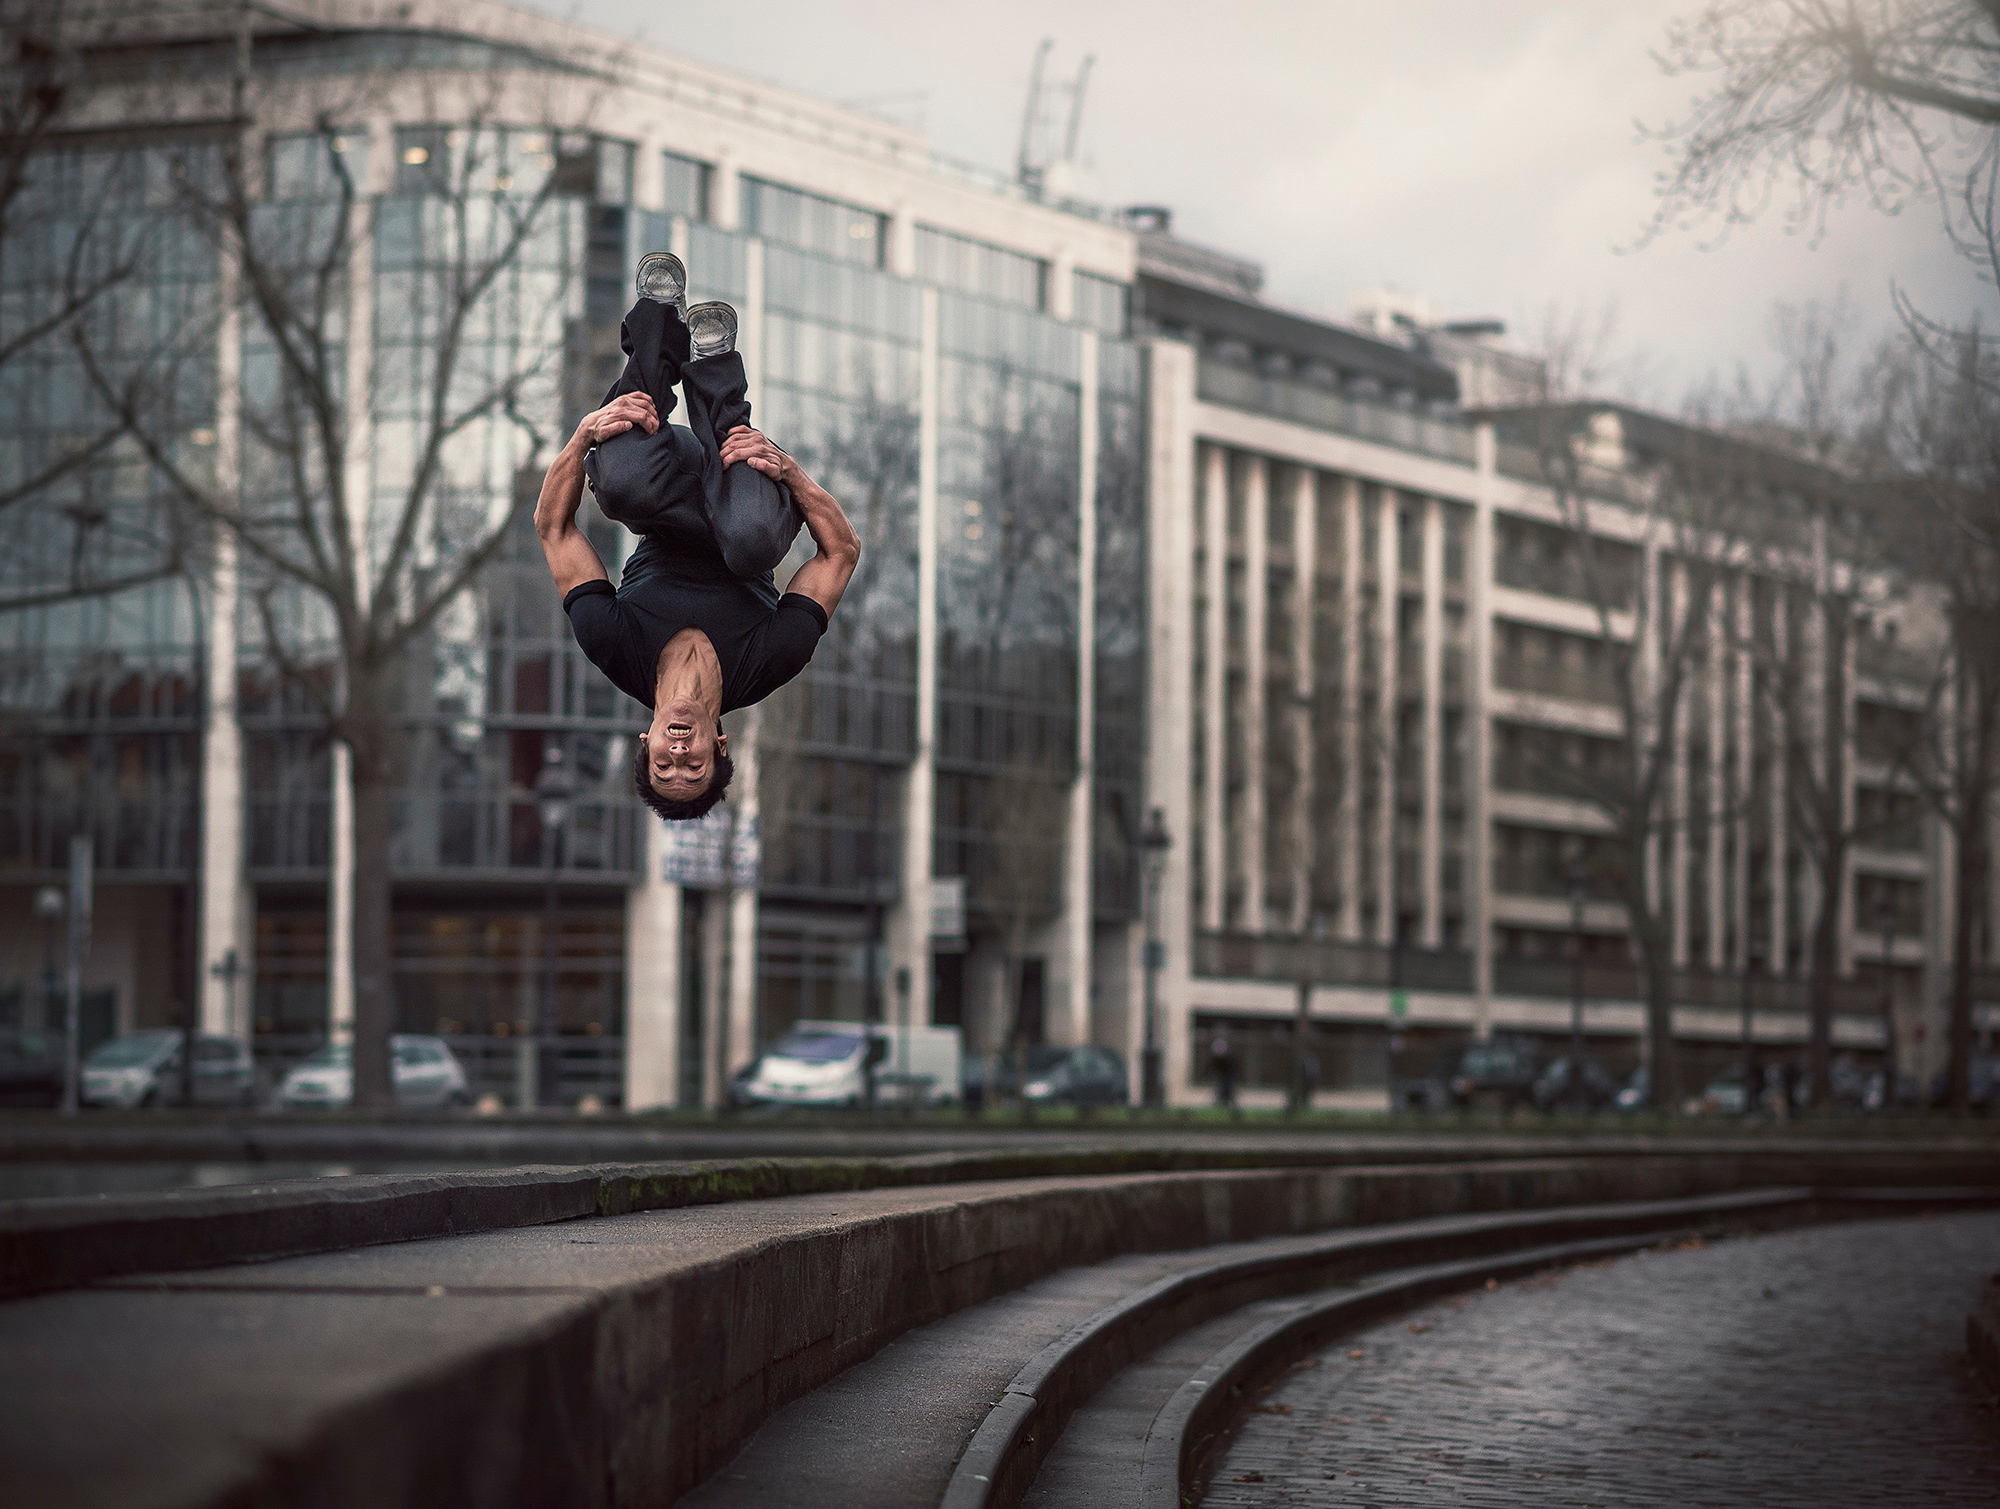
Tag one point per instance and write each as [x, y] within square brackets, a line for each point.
[1633, 1094]
[1591, 1089]
[31, 1067]
[830, 1064]
[1499, 1073]
[1075, 1077]
[425, 1072]
[144, 1069]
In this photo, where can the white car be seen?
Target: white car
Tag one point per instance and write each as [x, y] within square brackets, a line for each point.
[425, 1072]
[828, 1064]
[144, 1068]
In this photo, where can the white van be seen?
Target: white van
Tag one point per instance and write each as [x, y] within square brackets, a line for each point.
[825, 1064]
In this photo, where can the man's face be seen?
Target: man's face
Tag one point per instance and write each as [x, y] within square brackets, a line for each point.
[680, 751]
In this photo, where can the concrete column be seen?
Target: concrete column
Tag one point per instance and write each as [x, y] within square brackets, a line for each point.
[1249, 815]
[743, 972]
[1430, 924]
[1347, 826]
[227, 902]
[1677, 784]
[1646, 675]
[1746, 730]
[715, 994]
[1777, 855]
[1061, 285]
[652, 979]
[1169, 755]
[750, 335]
[725, 193]
[1715, 684]
[1214, 690]
[357, 493]
[648, 174]
[1305, 575]
[901, 238]
[1845, 940]
[1479, 569]
[1388, 603]
[1077, 849]
[909, 925]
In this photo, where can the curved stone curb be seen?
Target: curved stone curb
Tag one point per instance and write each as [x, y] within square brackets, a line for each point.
[1191, 1420]
[1007, 1450]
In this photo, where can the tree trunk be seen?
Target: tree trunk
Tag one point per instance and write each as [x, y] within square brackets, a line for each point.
[1664, 1088]
[371, 733]
[1825, 964]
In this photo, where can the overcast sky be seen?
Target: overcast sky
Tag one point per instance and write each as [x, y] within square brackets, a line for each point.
[1484, 156]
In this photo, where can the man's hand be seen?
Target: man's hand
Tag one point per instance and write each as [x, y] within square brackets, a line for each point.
[746, 444]
[615, 418]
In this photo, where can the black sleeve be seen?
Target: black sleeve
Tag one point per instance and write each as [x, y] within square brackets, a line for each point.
[783, 649]
[599, 623]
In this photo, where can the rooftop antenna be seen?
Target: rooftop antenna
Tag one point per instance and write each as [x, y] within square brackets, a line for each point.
[1025, 169]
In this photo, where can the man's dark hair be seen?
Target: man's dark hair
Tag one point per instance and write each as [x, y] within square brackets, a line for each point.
[693, 807]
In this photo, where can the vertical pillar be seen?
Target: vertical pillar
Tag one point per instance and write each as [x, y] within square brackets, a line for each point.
[741, 1026]
[356, 486]
[1169, 763]
[715, 993]
[1347, 826]
[1646, 673]
[725, 193]
[1776, 852]
[226, 899]
[750, 338]
[1305, 580]
[652, 979]
[1479, 573]
[1744, 767]
[1430, 923]
[1077, 855]
[1214, 690]
[902, 242]
[1249, 814]
[1845, 775]
[1060, 290]
[909, 930]
[1388, 604]
[1677, 781]
[1715, 684]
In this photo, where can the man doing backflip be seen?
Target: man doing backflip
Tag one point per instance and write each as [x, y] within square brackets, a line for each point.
[696, 626]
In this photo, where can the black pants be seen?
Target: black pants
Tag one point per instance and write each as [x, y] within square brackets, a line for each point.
[673, 483]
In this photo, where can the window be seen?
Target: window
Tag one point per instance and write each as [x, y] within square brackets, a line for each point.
[684, 186]
[309, 165]
[510, 160]
[844, 232]
[974, 267]
[1103, 304]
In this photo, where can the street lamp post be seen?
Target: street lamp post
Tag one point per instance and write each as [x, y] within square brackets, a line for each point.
[1154, 842]
[1752, 952]
[553, 790]
[1579, 893]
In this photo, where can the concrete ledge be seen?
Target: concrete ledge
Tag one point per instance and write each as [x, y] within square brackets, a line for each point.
[621, 1360]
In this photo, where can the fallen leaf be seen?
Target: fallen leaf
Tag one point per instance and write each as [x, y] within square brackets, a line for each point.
[1357, 1354]
[1251, 1477]
[1493, 1283]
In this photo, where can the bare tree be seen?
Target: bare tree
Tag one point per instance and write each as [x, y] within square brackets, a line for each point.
[352, 557]
[1812, 100]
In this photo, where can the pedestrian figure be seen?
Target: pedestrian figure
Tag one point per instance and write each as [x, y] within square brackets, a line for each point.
[1222, 1059]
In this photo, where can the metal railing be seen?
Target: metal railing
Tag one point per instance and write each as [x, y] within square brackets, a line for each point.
[1323, 409]
[1325, 961]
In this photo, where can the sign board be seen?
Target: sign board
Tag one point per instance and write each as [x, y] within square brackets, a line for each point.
[948, 911]
[1399, 1004]
[719, 851]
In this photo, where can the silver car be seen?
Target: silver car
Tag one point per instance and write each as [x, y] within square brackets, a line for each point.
[144, 1069]
[425, 1072]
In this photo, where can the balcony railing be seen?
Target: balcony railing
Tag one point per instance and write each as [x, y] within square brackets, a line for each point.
[1624, 981]
[1324, 961]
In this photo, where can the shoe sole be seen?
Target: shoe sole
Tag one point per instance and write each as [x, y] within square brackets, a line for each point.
[720, 313]
[665, 262]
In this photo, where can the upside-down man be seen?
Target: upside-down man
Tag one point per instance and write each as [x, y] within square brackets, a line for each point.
[696, 626]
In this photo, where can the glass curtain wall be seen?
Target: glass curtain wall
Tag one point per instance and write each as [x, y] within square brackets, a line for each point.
[1119, 729]
[1007, 583]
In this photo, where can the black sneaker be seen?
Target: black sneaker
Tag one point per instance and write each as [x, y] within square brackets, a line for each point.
[712, 328]
[663, 280]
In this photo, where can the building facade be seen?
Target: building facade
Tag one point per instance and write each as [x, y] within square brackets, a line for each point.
[1133, 539]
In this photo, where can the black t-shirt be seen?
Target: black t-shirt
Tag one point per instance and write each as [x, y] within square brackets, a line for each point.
[761, 639]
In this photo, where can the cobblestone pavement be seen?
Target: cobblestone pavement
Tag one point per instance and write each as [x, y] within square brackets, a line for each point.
[1820, 1367]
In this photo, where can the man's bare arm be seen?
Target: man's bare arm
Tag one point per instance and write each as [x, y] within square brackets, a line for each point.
[572, 559]
[823, 578]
